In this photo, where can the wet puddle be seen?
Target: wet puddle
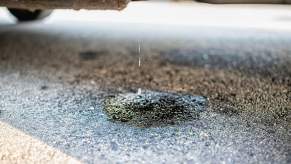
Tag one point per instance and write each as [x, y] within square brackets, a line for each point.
[153, 108]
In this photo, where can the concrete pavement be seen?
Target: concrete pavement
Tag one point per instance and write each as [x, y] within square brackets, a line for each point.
[56, 73]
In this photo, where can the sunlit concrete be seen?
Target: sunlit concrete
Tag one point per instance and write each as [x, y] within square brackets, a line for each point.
[18, 147]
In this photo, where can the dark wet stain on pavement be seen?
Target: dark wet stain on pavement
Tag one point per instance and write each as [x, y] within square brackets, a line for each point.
[264, 63]
[152, 108]
[90, 55]
[44, 87]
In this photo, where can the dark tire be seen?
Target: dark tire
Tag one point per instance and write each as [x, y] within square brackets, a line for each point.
[23, 15]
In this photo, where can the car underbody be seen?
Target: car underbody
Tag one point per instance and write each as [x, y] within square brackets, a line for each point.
[65, 4]
[103, 4]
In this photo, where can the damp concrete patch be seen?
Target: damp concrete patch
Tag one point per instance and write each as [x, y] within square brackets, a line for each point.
[90, 55]
[152, 108]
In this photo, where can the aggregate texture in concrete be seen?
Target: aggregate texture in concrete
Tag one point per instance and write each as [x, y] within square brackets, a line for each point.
[55, 76]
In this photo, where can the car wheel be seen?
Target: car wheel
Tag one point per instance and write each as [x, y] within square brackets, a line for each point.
[23, 15]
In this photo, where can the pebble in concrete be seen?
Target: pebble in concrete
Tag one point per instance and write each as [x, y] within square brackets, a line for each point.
[152, 108]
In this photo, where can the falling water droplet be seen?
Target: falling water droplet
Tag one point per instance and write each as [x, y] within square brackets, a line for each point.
[139, 91]
[139, 64]
[139, 57]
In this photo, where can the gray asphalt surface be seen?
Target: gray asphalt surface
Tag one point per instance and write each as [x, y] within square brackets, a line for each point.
[54, 77]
